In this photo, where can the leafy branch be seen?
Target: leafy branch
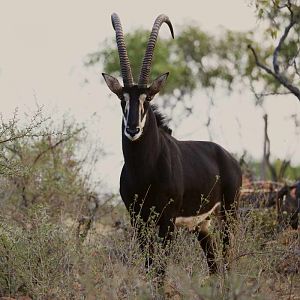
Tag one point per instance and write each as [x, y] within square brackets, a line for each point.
[293, 20]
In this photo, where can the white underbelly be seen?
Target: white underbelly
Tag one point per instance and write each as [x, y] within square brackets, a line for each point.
[198, 221]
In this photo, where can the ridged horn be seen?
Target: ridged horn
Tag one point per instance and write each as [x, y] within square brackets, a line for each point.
[145, 70]
[123, 56]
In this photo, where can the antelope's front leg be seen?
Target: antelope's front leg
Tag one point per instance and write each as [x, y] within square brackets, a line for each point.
[166, 229]
[141, 232]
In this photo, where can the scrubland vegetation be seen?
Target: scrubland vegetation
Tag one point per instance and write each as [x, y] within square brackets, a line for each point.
[60, 239]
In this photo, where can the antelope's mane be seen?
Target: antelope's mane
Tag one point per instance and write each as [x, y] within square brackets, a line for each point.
[161, 120]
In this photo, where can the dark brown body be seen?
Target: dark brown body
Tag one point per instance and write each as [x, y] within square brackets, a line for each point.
[178, 178]
[160, 174]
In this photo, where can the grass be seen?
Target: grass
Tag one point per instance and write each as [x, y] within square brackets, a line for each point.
[45, 259]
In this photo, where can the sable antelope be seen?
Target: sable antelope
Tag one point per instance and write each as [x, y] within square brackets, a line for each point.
[175, 178]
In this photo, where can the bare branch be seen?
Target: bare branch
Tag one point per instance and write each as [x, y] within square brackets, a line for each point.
[283, 167]
[273, 94]
[11, 124]
[281, 40]
[51, 147]
[280, 6]
[9, 132]
[280, 78]
[259, 64]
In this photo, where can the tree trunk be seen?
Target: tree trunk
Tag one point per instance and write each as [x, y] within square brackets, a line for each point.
[266, 149]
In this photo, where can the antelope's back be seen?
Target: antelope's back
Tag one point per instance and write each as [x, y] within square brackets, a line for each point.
[208, 166]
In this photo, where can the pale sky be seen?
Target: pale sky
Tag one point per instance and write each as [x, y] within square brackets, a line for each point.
[43, 45]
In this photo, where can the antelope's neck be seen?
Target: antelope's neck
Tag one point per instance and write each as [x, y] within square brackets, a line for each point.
[141, 156]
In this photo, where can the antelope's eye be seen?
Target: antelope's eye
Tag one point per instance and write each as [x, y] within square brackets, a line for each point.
[149, 98]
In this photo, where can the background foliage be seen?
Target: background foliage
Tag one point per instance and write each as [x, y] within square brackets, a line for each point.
[61, 238]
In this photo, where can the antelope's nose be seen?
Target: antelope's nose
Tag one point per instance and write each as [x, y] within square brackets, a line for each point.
[132, 131]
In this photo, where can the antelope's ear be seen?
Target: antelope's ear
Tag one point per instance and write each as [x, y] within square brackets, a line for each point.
[158, 83]
[113, 84]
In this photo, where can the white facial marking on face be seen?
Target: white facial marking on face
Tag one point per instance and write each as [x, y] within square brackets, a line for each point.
[133, 138]
[142, 99]
[126, 110]
[142, 120]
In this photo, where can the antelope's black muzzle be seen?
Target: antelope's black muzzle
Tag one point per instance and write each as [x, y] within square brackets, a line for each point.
[132, 131]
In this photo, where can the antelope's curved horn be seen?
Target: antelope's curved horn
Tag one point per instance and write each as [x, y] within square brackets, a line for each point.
[145, 70]
[124, 60]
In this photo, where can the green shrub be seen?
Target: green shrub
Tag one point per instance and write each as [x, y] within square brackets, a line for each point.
[35, 260]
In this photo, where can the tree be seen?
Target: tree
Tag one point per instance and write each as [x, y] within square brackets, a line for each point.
[40, 165]
[195, 60]
[198, 60]
[279, 168]
[166, 58]
[283, 19]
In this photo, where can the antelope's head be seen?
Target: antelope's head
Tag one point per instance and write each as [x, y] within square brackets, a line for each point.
[135, 98]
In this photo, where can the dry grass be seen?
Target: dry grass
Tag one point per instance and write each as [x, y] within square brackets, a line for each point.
[45, 260]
